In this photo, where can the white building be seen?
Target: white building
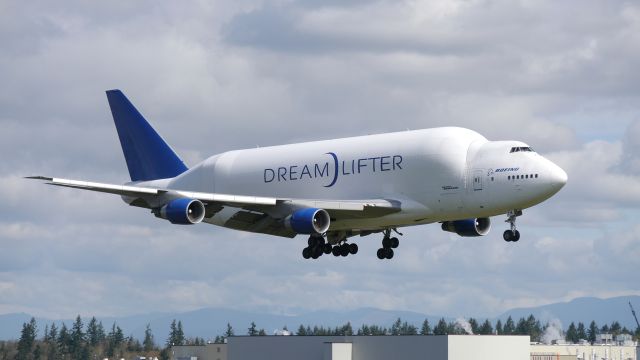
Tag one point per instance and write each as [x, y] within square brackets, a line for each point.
[585, 352]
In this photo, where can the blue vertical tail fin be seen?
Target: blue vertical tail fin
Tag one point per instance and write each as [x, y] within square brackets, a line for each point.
[148, 156]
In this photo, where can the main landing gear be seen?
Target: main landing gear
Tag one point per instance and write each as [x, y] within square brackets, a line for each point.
[388, 244]
[318, 247]
[512, 234]
[338, 246]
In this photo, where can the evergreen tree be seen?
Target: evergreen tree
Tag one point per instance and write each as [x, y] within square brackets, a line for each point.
[441, 328]
[364, 330]
[395, 328]
[37, 352]
[180, 334]
[27, 340]
[592, 332]
[499, 330]
[262, 332]
[521, 327]
[115, 338]
[253, 331]
[176, 335]
[615, 328]
[509, 327]
[93, 332]
[605, 329]
[572, 333]
[426, 328]
[345, 330]
[485, 328]
[408, 329]
[52, 345]
[102, 336]
[76, 339]
[301, 331]
[229, 332]
[53, 332]
[63, 339]
[148, 342]
[171, 340]
[474, 325]
[581, 332]
[119, 336]
[133, 345]
[454, 329]
[534, 328]
[45, 336]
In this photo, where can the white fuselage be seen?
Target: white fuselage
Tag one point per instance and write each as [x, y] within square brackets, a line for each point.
[436, 174]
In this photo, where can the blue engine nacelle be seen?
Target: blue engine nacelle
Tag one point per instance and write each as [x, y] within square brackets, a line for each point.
[468, 227]
[308, 221]
[182, 211]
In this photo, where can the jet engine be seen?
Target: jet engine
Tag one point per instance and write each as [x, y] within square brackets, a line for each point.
[468, 227]
[308, 221]
[183, 211]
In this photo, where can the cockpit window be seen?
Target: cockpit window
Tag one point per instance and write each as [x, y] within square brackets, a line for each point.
[521, 148]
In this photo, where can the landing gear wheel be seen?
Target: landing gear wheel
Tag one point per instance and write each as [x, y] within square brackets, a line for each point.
[353, 249]
[344, 250]
[386, 242]
[327, 248]
[306, 253]
[511, 235]
[336, 251]
[381, 254]
[388, 253]
[315, 240]
[394, 242]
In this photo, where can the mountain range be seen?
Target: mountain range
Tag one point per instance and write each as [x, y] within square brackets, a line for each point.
[209, 322]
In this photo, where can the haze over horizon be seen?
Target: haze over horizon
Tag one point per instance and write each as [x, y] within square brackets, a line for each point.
[224, 75]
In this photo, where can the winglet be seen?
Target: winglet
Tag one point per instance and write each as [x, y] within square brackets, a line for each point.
[148, 156]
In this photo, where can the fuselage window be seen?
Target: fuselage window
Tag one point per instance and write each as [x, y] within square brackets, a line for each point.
[536, 176]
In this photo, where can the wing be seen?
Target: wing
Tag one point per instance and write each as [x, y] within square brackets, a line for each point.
[254, 213]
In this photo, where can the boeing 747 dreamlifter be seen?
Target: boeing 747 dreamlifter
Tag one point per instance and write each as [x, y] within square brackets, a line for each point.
[333, 190]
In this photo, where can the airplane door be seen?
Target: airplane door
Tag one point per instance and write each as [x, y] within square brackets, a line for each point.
[477, 180]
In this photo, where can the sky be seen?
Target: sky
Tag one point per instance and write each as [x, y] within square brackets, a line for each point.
[213, 76]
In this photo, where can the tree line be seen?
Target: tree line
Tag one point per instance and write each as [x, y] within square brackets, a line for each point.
[94, 341]
[77, 342]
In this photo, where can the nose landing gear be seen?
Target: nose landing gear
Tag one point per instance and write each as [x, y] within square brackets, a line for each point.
[513, 234]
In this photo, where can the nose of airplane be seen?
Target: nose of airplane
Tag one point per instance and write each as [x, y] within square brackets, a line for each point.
[557, 177]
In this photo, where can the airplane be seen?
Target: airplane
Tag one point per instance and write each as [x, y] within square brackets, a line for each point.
[334, 190]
